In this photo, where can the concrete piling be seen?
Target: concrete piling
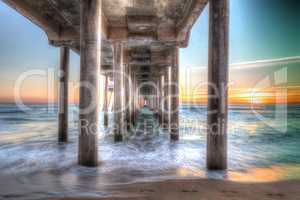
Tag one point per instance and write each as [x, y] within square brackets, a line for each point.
[217, 91]
[90, 50]
[63, 94]
[174, 126]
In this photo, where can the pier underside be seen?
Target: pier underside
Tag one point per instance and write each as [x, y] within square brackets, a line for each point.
[134, 44]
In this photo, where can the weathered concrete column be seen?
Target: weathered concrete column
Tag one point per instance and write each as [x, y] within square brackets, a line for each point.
[155, 93]
[166, 110]
[161, 100]
[174, 126]
[158, 85]
[136, 99]
[133, 97]
[217, 91]
[127, 94]
[118, 112]
[105, 103]
[90, 46]
[130, 96]
[63, 94]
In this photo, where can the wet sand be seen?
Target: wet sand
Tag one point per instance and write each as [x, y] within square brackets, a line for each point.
[202, 189]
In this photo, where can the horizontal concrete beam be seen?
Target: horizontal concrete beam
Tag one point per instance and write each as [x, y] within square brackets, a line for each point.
[193, 10]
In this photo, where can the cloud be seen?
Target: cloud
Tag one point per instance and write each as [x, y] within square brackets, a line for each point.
[264, 63]
[257, 63]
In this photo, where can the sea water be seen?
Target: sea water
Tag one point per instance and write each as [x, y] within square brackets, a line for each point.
[261, 148]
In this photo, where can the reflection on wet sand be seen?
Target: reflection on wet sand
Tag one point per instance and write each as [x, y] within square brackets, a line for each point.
[268, 174]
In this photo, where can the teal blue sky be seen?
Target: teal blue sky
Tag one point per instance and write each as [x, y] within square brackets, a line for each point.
[259, 30]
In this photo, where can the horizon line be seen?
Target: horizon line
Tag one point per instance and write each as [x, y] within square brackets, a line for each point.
[183, 102]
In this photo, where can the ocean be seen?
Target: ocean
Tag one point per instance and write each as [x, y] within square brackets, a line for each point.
[263, 147]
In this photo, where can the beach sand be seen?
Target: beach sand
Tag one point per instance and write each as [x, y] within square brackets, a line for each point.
[203, 189]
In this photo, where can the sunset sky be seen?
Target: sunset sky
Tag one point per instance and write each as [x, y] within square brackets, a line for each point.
[264, 55]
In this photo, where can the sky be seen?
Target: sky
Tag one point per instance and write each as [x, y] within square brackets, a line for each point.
[260, 30]
[264, 42]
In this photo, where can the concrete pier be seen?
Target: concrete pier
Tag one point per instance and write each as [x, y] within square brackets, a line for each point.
[105, 103]
[63, 94]
[135, 101]
[91, 13]
[166, 109]
[133, 97]
[150, 33]
[127, 94]
[218, 78]
[118, 112]
[174, 126]
[161, 95]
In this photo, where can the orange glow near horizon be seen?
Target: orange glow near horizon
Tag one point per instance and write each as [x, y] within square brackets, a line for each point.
[236, 96]
[193, 89]
[247, 96]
